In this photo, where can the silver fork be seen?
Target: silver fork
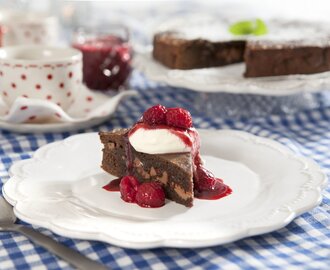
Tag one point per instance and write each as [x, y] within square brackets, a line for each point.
[77, 260]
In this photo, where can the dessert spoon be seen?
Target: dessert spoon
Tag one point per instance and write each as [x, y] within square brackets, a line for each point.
[79, 261]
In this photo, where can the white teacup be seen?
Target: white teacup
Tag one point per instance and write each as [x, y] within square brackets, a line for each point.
[29, 29]
[41, 72]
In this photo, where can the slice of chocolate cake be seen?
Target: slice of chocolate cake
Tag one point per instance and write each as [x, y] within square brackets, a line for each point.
[159, 157]
[174, 171]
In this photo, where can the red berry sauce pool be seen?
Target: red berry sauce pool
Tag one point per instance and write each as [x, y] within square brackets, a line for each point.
[112, 185]
[106, 62]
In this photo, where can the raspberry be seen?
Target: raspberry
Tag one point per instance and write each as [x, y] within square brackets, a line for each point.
[128, 187]
[155, 115]
[178, 117]
[150, 194]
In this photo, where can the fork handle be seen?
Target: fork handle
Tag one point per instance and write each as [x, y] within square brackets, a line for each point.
[71, 256]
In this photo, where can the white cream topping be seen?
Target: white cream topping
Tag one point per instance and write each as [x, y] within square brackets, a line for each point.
[158, 141]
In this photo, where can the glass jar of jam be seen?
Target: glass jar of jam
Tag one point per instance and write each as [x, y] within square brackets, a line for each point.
[106, 56]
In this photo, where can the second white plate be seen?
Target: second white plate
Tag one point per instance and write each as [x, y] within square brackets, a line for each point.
[60, 188]
[230, 79]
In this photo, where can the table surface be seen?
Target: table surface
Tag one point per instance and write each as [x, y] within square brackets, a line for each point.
[303, 244]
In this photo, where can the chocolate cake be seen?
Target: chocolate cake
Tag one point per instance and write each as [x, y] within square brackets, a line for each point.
[291, 47]
[176, 52]
[273, 59]
[174, 171]
[159, 157]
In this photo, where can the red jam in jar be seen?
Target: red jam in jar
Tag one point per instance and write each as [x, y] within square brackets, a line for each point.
[106, 61]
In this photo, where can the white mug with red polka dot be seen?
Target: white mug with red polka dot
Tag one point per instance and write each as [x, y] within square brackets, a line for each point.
[30, 29]
[40, 72]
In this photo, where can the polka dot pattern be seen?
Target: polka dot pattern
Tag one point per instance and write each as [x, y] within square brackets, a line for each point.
[53, 81]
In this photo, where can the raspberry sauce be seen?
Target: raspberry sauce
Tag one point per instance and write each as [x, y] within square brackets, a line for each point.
[112, 185]
[106, 62]
[213, 192]
[218, 193]
[206, 185]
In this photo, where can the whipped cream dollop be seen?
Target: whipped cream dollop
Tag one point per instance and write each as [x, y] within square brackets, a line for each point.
[163, 140]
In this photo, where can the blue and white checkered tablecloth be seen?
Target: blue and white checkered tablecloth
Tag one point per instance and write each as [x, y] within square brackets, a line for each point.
[303, 244]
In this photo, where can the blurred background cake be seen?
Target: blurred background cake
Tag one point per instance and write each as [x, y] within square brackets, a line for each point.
[270, 48]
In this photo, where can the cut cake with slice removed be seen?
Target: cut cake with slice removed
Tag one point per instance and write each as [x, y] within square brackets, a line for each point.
[275, 59]
[286, 48]
[174, 171]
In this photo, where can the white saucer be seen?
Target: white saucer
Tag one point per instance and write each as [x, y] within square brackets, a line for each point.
[60, 188]
[34, 115]
[229, 79]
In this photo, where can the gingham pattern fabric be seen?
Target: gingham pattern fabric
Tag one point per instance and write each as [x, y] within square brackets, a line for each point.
[303, 244]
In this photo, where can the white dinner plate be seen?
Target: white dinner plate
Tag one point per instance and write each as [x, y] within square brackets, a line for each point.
[60, 188]
[230, 79]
